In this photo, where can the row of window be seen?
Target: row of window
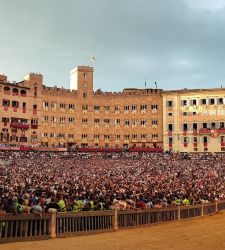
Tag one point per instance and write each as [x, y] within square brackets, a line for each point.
[195, 126]
[15, 104]
[53, 119]
[46, 104]
[204, 139]
[97, 136]
[194, 102]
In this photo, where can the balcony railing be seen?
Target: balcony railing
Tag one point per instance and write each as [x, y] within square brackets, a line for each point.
[204, 131]
[34, 126]
[19, 125]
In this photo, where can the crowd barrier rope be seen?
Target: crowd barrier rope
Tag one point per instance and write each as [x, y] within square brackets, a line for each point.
[24, 227]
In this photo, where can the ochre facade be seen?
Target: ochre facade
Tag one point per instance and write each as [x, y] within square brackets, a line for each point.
[33, 114]
[194, 120]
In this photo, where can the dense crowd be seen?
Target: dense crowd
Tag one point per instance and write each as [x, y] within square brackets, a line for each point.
[34, 182]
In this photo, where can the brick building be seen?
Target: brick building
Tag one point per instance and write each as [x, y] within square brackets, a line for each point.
[32, 113]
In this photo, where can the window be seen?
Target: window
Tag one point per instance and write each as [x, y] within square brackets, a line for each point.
[117, 137]
[84, 136]
[4, 119]
[84, 120]
[15, 104]
[96, 136]
[53, 105]
[106, 108]
[96, 108]
[134, 121]
[62, 105]
[185, 127]
[169, 104]
[194, 113]
[6, 103]
[45, 104]
[195, 126]
[71, 119]
[96, 121]
[106, 121]
[193, 102]
[184, 102]
[44, 135]
[106, 137]
[52, 135]
[154, 136]
[221, 124]
[117, 107]
[154, 122]
[170, 127]
[127, 122]
[126, 137]
[143, 107]
[62, 120]
[85, 94]
[170, 114]
[53, 119]
[211, 101]
[143, 122]
[84, 85]
[220, 101]
[84, 107]
[143, 136]
[204, 125]
[133, 107]
[61, 135]
[184, 113]
[205, 139]
[70, 136]
[154, 106]
[117, 121]
[134, 136]
[45, 118]
[204, 101]
[126, 108]
[71, 106]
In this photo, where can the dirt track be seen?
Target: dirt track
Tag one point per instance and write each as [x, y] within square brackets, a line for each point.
[204, 233]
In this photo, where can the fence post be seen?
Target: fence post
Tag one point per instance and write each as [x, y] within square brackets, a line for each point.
[52, 223]
[178, 213]
[216, 207]
[115, 220]
[202, 211]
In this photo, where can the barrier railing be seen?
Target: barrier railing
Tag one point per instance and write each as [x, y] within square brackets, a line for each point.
[84, 223]
[23, 227]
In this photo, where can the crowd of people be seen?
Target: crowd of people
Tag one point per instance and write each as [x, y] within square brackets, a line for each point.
[34, 182]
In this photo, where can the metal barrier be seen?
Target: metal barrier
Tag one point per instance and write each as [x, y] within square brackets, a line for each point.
[23, 227]
[84, 223]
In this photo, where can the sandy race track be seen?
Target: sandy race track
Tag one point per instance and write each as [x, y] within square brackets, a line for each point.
[203, 233]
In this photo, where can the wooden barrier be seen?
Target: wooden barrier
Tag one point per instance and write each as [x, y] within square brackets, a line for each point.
[23, 227]
[84, 222]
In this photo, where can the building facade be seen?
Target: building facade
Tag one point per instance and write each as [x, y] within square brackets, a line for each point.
[34, 114]
[194, 120]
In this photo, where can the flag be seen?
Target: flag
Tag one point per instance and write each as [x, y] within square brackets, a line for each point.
[93, 58]
[155, 85]
[145, 84]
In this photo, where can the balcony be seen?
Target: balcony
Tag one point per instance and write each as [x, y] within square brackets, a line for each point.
[195, 144]
[14, 109]
[195, 132]
[34, 126]
[7, 92]
[19, 125]
[222, 143]
[185, 144]
[24, 110]
[34, 112]
[185, 132]
[6, 108]
[221, 130]
[204, 131]
[170, 144]
[170, 133]
[205, 144]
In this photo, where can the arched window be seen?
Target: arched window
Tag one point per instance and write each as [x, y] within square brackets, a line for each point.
[23, 92]
[15, 91]
[6, 90]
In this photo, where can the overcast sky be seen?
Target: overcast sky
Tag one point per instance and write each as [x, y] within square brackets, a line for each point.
[178, 43]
